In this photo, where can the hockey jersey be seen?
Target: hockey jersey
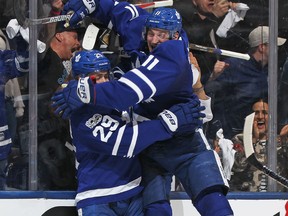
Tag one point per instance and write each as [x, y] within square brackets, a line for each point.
[5, 136]
[7, 71]
[97, 134]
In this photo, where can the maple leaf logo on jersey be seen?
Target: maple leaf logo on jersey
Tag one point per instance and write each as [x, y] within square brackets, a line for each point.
[77, 58]
[93, 121]
[149, 100]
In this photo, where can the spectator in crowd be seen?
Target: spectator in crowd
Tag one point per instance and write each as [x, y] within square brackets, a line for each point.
[53, 9]
[95, 195]
[164, 46]
[241, 82]
[53, 133]
[56, 161]
[258, 15]
[245, 176]
[199, 19]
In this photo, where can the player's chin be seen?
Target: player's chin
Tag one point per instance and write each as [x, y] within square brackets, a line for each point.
[152, 47]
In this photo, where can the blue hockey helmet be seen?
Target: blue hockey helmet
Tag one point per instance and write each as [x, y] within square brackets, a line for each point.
[88, 61]
[165, 18]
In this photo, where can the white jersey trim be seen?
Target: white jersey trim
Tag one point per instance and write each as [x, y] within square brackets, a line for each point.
[5, 142]
[108, 191]
[134, 140]
[133, 11]
[146, 80]
[3, 128]
[118, 140]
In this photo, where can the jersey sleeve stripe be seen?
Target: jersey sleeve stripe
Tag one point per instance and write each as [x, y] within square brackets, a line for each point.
[4, 131]
[134, 140]
[133, 11]
[155, 61]
[146, 80]
[118, 140]
[133, 86]
[3, 128]
[6, 142]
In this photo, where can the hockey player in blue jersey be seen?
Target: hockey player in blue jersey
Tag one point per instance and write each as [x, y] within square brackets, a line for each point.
[163, 79]
[110, 185]
[12, 65]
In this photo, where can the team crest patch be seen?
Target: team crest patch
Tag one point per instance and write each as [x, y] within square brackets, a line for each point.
[93, 121]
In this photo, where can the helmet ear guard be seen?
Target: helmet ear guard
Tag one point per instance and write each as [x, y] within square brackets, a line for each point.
[88, 61]
[165, 18]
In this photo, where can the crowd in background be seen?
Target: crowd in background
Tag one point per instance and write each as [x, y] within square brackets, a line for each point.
[237, 87]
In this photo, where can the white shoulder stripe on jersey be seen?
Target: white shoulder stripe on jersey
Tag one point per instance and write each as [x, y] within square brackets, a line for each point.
[101, 192]
[118, 140]
[155, 61]
[134, 87]
[150, 57]
[133, 11]
[5, 142]
[134, 140]
[3, 128]
[146, 80]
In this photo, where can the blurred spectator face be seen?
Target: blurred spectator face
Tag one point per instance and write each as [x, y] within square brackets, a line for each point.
[261, 117]
[69, 42]
[264, 48]
[204, 6]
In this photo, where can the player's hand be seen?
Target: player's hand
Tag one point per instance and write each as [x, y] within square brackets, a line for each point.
[72, 97]
[183, 119]
[80, 9]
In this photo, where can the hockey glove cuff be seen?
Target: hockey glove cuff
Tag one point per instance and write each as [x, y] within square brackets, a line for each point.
[72, 97]
[81, 8]
[183, 119]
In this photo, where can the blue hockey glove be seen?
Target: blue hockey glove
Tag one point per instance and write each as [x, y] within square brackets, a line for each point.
[22, 54]
[183, 119]
[80, 8]
[72, 97]
[8, 68]
[22, 63]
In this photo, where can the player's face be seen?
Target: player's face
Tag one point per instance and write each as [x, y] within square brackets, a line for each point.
[155, 37]
[261, 117]
[99, 77]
